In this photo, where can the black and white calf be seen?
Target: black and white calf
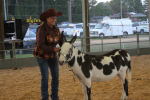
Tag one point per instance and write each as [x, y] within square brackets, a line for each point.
[99, 68]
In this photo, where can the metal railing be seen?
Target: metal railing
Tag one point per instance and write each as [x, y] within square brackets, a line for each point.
[17, 62]
[121, 43]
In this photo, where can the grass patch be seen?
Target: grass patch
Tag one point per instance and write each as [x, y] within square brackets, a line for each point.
[7, 56]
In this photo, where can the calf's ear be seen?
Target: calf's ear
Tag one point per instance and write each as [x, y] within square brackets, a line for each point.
[73, 39]
[63, 37]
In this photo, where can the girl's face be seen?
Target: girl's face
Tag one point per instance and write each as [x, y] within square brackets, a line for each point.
[51, 20]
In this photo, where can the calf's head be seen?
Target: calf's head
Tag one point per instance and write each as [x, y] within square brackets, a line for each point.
[66, 50]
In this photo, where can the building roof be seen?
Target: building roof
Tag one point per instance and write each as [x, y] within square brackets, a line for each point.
[138, 15]
[131, 13]
[115, 15]
[98, 17]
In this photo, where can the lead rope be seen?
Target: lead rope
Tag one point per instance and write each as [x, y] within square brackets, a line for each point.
[72, 72]
[73, 76]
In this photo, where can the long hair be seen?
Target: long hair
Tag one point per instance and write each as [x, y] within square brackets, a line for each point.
[42, 23]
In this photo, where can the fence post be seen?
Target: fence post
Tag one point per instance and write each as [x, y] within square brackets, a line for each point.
[138, 45]
[102, 44]
[120, 41]
[14, 62]
[81, 44]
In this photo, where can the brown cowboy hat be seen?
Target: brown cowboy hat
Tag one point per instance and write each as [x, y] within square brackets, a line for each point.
[49, 13]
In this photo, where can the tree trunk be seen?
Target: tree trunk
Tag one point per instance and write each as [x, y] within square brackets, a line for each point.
[2, 53]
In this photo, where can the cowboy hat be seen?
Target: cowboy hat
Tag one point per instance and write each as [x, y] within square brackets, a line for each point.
[49, 13]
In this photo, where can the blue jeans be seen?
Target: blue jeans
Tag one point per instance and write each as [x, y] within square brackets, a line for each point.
[54, 69]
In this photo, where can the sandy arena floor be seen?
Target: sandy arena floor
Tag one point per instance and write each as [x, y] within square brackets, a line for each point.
[24, 84]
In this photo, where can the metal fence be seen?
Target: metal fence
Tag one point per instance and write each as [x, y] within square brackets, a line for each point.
[135, 45]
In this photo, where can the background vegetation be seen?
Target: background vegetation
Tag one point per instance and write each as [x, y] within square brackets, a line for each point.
[25, 8]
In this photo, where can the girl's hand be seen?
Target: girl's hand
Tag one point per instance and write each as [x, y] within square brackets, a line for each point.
[56, 49]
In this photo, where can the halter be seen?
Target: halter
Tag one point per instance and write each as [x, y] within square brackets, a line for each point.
[67, 59]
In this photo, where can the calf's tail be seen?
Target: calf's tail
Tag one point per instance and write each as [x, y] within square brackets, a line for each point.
[129, 73]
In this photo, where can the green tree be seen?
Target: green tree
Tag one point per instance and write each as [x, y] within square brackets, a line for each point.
[29, 8]
[103, 9]
[33, 8]
[17, 11]
[146, 10]
[11, 9]
[134, 5]
[145, 5]
[116, 7]
[58, 5]
[138, 6]
[63, 7]
[76, 11]
[92, 4]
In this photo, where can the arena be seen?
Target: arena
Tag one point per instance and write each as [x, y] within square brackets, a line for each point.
[24, 84]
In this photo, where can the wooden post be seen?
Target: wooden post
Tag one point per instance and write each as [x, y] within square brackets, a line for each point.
[149, 18]
[2, 47]
[138, 45]
[85, 14]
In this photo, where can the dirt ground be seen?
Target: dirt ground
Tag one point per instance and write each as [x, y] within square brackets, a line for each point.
[24, 84]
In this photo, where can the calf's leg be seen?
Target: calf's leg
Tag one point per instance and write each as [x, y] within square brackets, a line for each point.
[122, 77]
[88, 88]
[89, 93]
[84, 90]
